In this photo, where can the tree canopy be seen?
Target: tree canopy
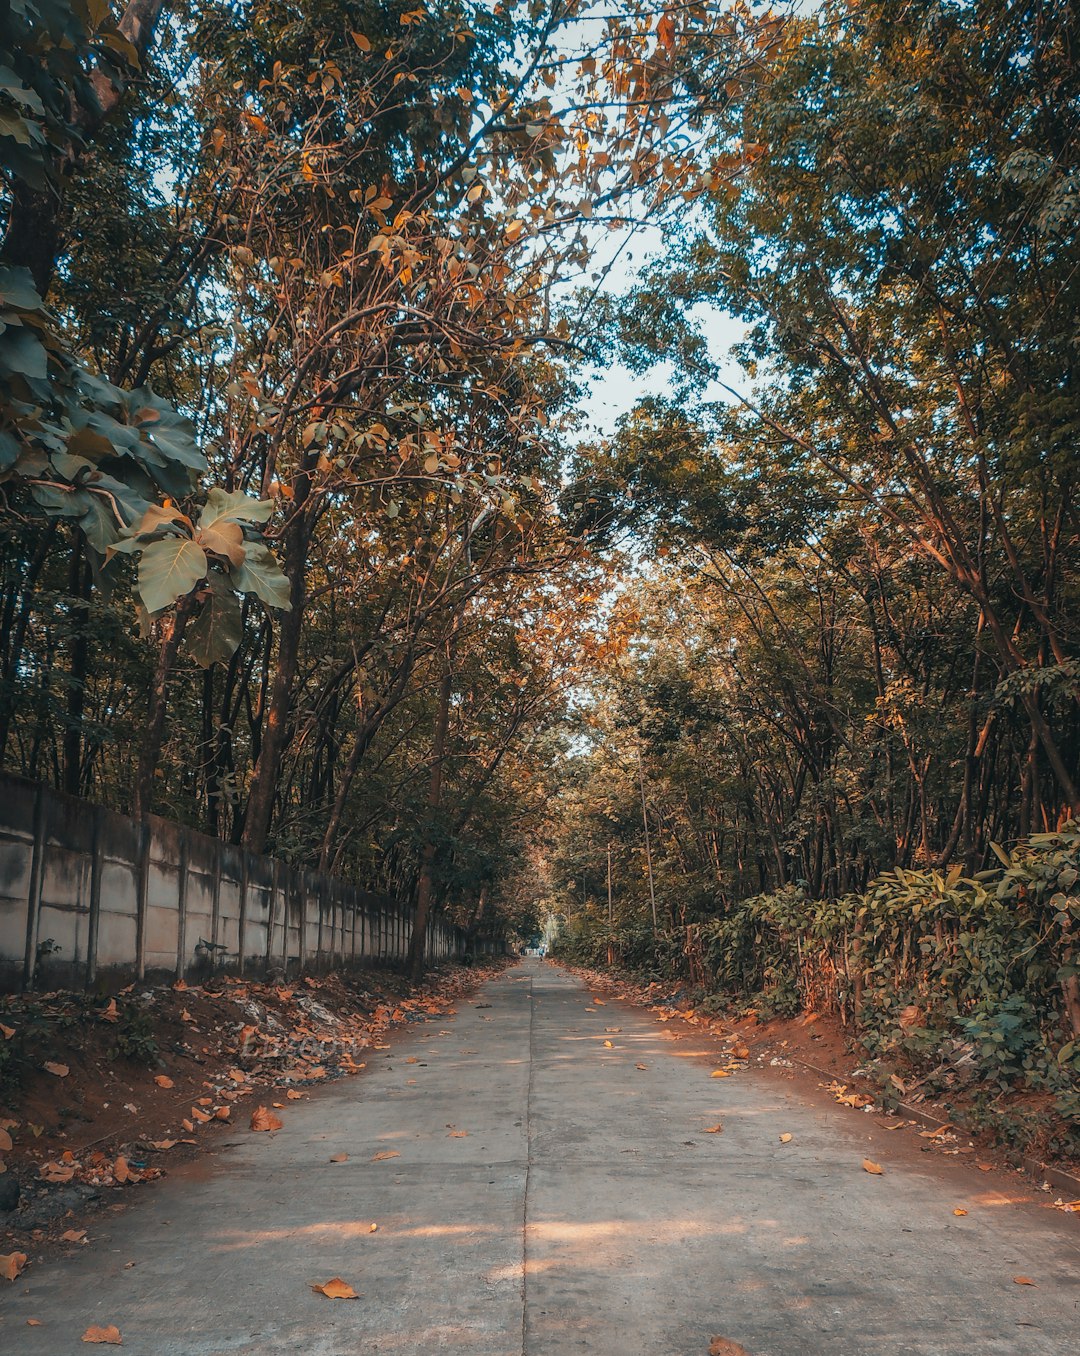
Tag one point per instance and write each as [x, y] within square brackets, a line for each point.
[306, 542]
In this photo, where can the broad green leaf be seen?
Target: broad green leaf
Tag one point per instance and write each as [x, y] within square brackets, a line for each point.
[169, 569]
[215, 633]
[262, 575]
[236, 505]
[17, 289]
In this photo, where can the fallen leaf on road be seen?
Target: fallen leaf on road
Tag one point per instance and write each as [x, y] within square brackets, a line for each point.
[1071, 1207]
[11, 1263]
[724, 1346]
[223, 1113]
[872, 1167]
[608, 1045]
[786, 1138]
[293, 1095]
[985, 1167]
[73, 1235]
[163, 1143]
[339, 1158]
[383, 1154]
[412, 1060]
[57, 1070]
[599, 1002]
[373, 1228]
[109, 1334]
[641, 1066]
[1023, 1280]
[613, 1029]
[716, 1129]
[164, 1081]
[123, 1173]
[5, 1141]
[198, 1114]
[958, 1211]
[719, 1073]
[33, 1322]
[57, 1172]
[458, 1134]
[336, 1289]
[741, 1053]
[262, 1118]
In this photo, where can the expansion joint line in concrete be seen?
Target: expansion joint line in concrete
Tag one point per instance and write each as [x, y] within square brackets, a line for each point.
[525, 1190]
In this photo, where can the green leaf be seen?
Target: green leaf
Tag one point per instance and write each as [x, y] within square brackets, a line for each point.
[17, 289]
[22, 353]
[237, 506]
[262, 575]
[215, 633]
[169, 569]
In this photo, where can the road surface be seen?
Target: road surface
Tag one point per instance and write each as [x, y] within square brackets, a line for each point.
[551, 1197]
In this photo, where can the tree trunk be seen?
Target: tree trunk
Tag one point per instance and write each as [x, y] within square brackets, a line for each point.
[425, 884]
[154, 730]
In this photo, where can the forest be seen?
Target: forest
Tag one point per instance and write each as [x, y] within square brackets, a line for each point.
[772, 686]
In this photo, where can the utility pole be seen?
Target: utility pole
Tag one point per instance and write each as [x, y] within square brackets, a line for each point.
[648, 840]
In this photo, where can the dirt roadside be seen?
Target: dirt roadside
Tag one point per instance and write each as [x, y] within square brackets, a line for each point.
[100, 1096]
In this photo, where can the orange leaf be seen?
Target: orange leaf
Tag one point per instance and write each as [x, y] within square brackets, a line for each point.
[7, 1031]
[339, 1158]
[264, 1119]
[786, 1138]
[719, 1073]
[608, 1045]
[56, 1172]
[723, 1346]
[958, 1211]
[11, 1263]
[73, 1235]
[336, 1289]
[163, 1081]
[458, 1134]
[123, 1173]
[716, 1129]
[57, 1070]
[198, 1114]
[109, 1334]
[110, 1013]
[872, 1167]
[384, 1154]
[641, 1066]
[5, 1142]
[162, 1143]
[1023, 1280]
[223, 1113]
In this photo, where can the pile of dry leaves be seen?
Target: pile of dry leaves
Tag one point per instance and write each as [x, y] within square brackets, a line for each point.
[96, 1093]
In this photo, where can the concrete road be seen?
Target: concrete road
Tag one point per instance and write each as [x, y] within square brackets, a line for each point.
[551, 1197]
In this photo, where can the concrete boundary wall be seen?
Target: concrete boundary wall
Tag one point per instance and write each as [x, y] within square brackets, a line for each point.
[91, 898]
